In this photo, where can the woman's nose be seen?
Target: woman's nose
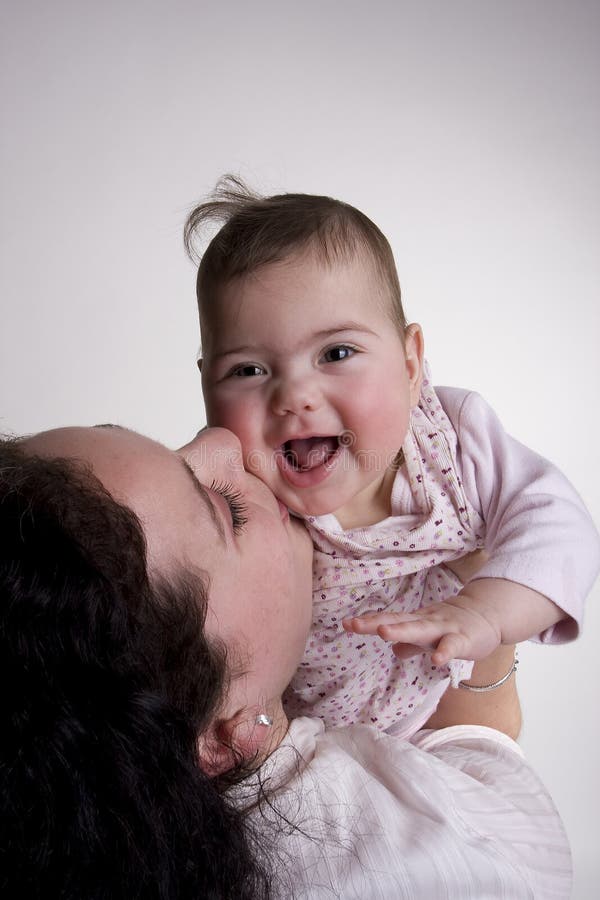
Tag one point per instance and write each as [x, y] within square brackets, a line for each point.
[295, 396]
[214, 454]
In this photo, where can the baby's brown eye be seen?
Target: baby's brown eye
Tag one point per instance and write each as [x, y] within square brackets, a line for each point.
[336, 354]
[248, 371]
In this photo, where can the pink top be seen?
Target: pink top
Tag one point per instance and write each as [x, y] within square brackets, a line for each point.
[465, 484]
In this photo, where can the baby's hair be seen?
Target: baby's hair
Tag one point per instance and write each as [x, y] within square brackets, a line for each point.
[261, 230]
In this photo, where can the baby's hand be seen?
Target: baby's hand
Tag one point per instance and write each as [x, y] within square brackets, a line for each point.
[454, 629]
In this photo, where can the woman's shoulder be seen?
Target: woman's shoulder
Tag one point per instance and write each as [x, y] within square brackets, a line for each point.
[368, 807]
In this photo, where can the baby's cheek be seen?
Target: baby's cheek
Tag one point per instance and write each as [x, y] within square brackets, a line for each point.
[261, 464]
[231, 413]
[223, 411]
[391, 427]
[215, 416]
[244, 419]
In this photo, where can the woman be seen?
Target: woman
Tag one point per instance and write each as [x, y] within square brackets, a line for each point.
[154, 606]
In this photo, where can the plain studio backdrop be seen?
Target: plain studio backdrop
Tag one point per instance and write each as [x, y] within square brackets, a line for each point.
[469, 131]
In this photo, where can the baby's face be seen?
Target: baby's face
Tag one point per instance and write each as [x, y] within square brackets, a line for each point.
[303, 362]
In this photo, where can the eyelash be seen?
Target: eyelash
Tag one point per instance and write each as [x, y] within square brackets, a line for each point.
[237, 370]
[233, 498]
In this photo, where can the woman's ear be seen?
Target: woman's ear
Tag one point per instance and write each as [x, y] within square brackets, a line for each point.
[414, 348]
[243, 737]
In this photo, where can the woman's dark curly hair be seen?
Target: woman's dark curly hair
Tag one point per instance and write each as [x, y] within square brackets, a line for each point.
[107, 680]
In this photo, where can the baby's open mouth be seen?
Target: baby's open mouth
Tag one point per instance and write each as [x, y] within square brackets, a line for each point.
[305, 454]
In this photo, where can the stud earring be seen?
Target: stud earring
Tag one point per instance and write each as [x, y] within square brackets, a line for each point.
[264, 719]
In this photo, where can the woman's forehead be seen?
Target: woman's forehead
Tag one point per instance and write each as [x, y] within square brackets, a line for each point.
[86, 441]
[136, 470]
[122, 460]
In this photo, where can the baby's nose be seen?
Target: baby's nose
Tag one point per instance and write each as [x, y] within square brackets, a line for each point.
[295, 396]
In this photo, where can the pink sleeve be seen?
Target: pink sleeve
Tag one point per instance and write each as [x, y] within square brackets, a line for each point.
[538, 531]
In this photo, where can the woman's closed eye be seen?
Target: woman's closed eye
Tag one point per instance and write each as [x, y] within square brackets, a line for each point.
[233, 498]
[338, 353]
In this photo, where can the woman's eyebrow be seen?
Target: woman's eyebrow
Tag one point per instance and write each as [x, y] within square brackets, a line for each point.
[205, 497]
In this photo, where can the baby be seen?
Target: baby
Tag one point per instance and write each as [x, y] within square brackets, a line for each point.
[308, 358]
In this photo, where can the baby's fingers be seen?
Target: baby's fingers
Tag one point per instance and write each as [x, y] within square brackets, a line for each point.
[410, 633]
[422, 632]
[425, 634]
[370, 623]
[451, 646]
[406, 651]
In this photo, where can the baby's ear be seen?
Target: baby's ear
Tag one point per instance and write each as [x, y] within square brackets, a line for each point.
[241, 738]
[414, 348]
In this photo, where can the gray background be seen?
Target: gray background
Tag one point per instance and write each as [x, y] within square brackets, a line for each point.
[469, 131]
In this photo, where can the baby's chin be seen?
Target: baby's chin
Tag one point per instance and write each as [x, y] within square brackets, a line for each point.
[302, 503]
[310, 509]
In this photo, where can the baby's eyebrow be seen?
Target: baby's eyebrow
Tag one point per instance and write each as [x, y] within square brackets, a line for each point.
[205, 497]
[320, 335]
[344, 326]
[234, 351]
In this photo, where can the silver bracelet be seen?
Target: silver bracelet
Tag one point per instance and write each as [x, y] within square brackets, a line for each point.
[481, 688]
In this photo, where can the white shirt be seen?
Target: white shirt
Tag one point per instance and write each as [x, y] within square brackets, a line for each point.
[456, 814]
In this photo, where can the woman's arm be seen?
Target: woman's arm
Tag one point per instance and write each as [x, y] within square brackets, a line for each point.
[499, 708]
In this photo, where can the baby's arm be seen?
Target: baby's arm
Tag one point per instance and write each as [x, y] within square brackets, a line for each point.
[542, 547]
[500, 708]
[539, 534]
[487, 613]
